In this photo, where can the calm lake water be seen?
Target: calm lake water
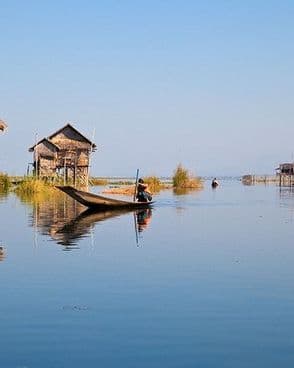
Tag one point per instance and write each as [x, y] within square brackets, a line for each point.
[204, 279]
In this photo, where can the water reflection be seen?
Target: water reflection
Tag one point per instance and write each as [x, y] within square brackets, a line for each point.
[81, 226]
[286, 196]
[2, 253]
[214, 283]
[49, 216]
[184, 191]
[143, 219]
[51, 212]
[67, 222]
[3, 194]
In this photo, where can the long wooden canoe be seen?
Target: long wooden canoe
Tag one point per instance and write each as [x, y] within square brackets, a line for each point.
[98, 202]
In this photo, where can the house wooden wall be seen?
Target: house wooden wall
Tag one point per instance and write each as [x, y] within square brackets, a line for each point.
[45, 158]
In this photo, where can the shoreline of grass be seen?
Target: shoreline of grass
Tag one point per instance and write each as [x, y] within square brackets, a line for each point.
[30, 185]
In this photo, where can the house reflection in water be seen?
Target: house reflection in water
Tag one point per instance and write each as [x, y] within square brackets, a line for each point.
[49, 216]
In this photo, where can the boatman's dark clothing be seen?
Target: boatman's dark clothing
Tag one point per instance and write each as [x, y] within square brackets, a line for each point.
[142, 195]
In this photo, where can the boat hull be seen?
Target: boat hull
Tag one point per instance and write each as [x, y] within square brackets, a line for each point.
[98, 202]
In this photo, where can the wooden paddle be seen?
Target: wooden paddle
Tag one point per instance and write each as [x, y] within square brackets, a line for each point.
[136, 185]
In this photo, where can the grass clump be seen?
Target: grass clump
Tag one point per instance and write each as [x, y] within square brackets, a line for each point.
[5, 182]
[31, 186]
[154, 183]
[182, 179]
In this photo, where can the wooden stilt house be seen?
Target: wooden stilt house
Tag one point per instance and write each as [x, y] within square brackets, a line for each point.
[65, 153]
[285, 172]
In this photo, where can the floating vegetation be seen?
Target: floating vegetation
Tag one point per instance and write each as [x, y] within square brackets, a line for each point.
[183, 179]
[5, 182]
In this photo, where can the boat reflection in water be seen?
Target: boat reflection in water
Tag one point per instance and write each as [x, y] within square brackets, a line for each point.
[69, 234]
[82, 226]
[67, 222]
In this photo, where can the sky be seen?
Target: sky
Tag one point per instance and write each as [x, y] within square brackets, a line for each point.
[208, 84]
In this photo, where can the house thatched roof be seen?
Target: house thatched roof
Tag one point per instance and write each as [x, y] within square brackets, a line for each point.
[3, 126]
[45, 140]
[75, 130]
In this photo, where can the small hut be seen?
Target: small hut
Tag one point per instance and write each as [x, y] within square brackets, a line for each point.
[285, 172]
[3, 126]
[286, 168]
[64, 153]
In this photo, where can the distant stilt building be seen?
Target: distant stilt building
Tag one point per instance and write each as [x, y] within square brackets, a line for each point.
[65, 153]
[285, 172]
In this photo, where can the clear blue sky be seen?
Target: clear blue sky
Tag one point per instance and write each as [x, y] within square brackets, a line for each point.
[205, 83]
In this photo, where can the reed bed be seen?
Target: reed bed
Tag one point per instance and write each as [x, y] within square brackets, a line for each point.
[128, 188]
[183, 179]
[154, 184]
[31, 186]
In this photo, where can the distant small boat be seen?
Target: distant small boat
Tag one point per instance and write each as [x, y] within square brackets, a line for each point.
[98, 202]
[3, 126]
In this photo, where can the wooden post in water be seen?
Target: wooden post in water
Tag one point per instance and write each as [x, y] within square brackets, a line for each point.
[136, 184]
[89, 162]
[36, 158]
[64, 173]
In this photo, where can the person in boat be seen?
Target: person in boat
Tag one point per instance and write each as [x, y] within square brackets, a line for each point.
[214, 183]
[2, 253]
[143, 194]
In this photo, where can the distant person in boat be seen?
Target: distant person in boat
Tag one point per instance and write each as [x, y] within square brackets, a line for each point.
[143, 194]
[2, 253]
[214, 183]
